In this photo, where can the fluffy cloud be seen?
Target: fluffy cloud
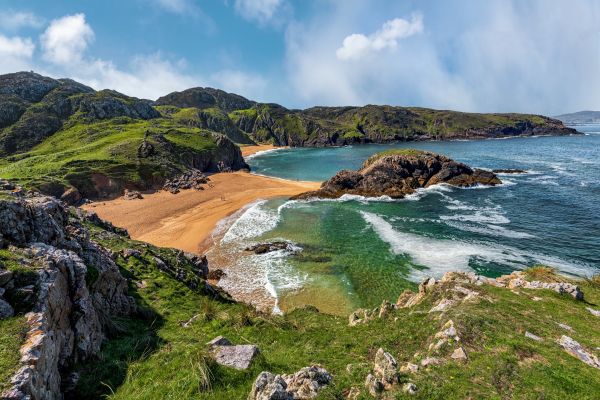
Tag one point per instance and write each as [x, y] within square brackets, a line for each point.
[13, 21]
[262, 11]
[66, 39]
[15, 53]
[539, 56]
[358, 45]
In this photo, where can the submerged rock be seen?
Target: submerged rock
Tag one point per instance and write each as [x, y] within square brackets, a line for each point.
[399, 173]
[508, 171]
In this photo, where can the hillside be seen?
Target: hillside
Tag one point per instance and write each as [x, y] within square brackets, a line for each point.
[135, 320]
[59, 136]
[580, 117]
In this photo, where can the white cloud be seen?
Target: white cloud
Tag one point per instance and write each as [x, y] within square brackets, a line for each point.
[15, 53]
[13, 21]
[358, 45]
[66, 39]
[262, 11]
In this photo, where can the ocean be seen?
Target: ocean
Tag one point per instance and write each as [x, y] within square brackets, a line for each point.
[354, 252]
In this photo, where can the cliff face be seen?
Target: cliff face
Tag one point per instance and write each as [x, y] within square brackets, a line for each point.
[398, 173]
[67, 286]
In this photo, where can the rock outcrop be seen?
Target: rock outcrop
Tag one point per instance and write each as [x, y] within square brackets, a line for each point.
[399, 173]
[302, 385]
[191, 179]
[67, 285]
[234, 356]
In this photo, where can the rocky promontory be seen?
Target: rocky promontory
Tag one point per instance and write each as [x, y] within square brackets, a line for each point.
[397, 173]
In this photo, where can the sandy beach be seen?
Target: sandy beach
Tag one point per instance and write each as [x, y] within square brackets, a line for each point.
[250, 150]
[186, 220]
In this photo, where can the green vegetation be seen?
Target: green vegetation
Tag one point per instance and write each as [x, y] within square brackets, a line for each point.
[12, 335]
[156, 358]
[393, 152]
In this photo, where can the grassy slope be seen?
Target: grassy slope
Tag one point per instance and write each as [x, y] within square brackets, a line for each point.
[158, 359]
[12, 336]
[108, 147]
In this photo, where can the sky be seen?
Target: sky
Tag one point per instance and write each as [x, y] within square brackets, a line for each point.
[536, 56]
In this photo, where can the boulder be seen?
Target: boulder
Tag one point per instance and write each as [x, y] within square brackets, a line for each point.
[132, 195]
[302, 385]
[576, 350]
[5, 277]
[219, 341]
[190, 179]
[385, 368]
[5, 309]
[238, 356]
[400, 173]
[459, 354]
[262, 248]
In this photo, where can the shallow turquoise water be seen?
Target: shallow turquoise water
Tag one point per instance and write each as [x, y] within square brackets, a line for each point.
[354, 252]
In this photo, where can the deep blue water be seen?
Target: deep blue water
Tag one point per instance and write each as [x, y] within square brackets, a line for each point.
[357, 252]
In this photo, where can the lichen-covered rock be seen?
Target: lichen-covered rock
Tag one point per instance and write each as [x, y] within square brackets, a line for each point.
[385, 368]
[302, 385]
[235, 356]
[576, 350]
[397, 175]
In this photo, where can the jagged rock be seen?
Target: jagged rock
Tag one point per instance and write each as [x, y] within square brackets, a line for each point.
[268, 386]
[238, 356]
[385, 368]
[262, 248]
[565, 326]
[5, 309]
[132, 195]
[5, 277]
[532, 336]
[304, 384]
[409, 388]
[360, 316]
[131, 253]
[215, 274]
[145, 149]
[200, 264]
[374, 385]
[190, 179]
[442, 305]
[459, 354]
[593, 312]
[576, 350]
[353, 393]
[385, 309]
[518, 280]
[307, 382]
[397, 175]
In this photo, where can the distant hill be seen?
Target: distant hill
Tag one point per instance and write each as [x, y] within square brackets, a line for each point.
[58, 134]
[580, 117]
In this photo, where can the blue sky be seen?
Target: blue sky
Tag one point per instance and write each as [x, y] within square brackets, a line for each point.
[540, 56]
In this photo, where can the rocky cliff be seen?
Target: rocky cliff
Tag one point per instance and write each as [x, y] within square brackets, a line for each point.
[397, 173]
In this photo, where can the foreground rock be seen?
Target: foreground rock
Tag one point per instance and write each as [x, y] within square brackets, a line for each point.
[576, 350]
[234, 356]
[399, 173]
[304, 384]
[68, 286]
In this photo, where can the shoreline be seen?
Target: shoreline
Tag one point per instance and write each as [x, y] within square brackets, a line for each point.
[186, 220]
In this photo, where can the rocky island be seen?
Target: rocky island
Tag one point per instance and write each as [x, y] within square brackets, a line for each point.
[397, 173]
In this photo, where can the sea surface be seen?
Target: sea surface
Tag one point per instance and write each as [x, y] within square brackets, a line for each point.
[353, 252]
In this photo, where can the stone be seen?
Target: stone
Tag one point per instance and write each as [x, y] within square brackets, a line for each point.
[430, 361]
[5, 276]
[131, 253]
[219, 341]
[238, 356]
[409, 388]
[190, 179]
[374, 385]
[442, 305]
[576, 350]
[593, 312]
[509, 171]
[6, 309]
[459, 354]
[302, 385]
[385, 309]
[72, 197]
[565, 326]
[385, 368]
[268, 386]
[307, 382]
[353, 393]
[262, 248]
[360, 316]
[409, 367]
[132, 195]
[532, 336]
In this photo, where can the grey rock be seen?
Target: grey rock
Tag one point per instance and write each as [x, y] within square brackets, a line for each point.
[576, 350]
[593, 312]
[385, 368]
[132, 195]
[268, 386]
[5, 309]
[302, 385]
[409, 388]
[532, 336]
[238, 357]
[459, 354]
[5, 276]
[219, 341]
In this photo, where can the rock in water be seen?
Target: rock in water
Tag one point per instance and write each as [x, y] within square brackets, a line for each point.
[398, 173]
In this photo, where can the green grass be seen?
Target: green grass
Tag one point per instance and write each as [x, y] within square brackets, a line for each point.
[156, 358]
[394, 152]
[12, 336]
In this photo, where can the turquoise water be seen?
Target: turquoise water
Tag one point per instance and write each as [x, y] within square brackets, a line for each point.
[353, 252]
